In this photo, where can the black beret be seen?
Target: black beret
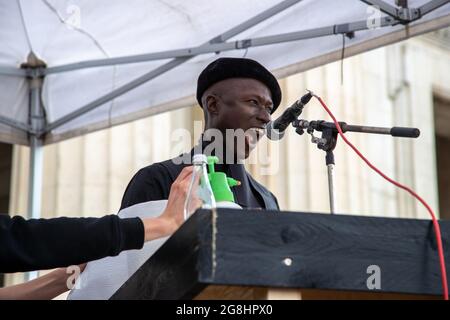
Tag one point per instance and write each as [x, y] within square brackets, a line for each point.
[226, 68]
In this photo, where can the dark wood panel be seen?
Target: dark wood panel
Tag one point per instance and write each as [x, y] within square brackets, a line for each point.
[252, 248]
[331, 252]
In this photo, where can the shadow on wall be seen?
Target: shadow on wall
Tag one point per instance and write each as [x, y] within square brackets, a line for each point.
[442, 129]
[5, 181]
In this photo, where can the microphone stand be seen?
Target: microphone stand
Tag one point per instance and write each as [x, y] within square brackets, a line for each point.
[327, 142]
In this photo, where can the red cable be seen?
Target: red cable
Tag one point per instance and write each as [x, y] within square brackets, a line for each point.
[437, 230]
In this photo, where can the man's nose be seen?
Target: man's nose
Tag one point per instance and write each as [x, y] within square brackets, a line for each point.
[264, 116]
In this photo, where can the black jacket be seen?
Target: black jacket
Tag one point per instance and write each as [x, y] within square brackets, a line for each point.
[39, 244]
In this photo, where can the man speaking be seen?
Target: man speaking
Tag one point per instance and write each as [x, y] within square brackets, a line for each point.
[235, 94]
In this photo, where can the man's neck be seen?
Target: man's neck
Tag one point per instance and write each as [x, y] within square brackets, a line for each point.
[210, 147]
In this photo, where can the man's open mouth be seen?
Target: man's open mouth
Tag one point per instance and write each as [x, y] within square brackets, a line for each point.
[252, 135]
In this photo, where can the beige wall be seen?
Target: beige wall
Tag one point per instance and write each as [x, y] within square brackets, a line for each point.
[86, 176]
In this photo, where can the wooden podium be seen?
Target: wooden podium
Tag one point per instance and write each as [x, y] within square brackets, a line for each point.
[254, 254]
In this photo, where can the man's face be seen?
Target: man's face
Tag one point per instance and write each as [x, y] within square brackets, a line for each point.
[241, 103]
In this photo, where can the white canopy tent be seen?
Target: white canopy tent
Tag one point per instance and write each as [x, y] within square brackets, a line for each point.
[68, 67]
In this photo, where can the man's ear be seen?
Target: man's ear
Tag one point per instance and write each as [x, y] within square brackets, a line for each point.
[212, 104]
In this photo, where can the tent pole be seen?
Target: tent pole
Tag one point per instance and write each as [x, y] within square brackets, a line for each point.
[11, 71]
[432, 5]
[14, 124]
[35, 186]
[37, 123]
[36, 159]
[35, 178]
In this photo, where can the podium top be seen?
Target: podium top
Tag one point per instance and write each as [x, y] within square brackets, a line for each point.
[292, 250]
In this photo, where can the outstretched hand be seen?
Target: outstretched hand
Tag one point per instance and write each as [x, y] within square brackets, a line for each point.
[173, 216]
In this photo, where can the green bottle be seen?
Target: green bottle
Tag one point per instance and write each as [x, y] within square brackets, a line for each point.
[220, 185]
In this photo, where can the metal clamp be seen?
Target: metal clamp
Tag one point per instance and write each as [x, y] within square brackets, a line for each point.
[408, 14]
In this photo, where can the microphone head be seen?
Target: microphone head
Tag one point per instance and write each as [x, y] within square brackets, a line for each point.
[272, 133]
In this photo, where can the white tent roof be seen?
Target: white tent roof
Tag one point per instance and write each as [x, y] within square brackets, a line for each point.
[74, 37]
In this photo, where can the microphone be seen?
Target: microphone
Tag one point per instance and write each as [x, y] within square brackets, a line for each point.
[275, 129]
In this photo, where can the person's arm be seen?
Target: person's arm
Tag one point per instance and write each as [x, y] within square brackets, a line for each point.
[45, 287]
[47, 244]
[55, 282]
[41, 244]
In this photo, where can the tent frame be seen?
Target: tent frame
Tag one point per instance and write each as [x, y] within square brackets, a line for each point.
[35, 71]
[402, 15]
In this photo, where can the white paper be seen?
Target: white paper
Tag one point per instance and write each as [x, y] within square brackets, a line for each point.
[102, 278]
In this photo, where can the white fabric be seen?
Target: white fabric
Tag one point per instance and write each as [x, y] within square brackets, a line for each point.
[68, 31]
[102, 278]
